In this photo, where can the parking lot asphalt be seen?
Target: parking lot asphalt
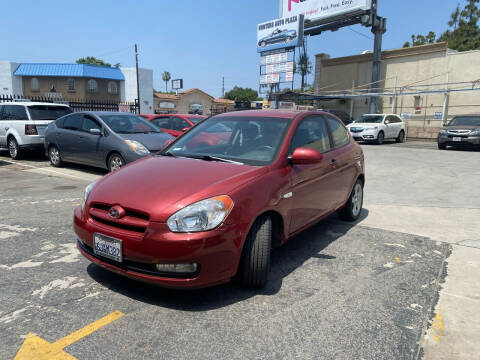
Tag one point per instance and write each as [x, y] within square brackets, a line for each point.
[369, 290]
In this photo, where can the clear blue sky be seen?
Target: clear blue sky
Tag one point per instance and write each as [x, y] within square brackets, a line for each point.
[197, 40]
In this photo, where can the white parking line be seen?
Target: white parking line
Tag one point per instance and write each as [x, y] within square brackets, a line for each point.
[40, 169]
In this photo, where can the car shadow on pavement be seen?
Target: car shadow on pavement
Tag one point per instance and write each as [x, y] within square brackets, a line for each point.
[312, 243]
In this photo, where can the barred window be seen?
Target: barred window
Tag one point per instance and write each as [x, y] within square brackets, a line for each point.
[71, 84]
[34, 84]
[92, 86]
[112, 87]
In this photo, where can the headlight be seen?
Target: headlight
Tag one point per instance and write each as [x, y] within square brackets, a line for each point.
[201, 216]
[138, 147]
[443, 131]
[475, 133]
[88, 189]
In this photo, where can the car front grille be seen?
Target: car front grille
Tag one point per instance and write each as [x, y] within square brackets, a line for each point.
[133, 220]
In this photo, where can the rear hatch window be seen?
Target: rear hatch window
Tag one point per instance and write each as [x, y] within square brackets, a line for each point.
[48, 112]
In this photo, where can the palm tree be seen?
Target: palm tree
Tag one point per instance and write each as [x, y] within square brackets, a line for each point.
[166, 77]
[304, 67]
[455, 17]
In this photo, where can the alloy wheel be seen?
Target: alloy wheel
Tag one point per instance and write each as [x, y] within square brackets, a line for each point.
[54, 155]
[13, 148]
[357, 199]
[116, 162]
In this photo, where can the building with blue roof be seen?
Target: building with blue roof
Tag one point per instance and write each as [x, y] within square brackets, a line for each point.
[76, 81]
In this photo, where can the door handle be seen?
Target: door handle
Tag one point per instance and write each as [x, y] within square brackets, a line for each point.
[6, 129]
[334, 162]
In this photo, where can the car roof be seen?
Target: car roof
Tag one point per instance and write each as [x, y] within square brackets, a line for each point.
[99, 113]
[30, 103]
[286, 114]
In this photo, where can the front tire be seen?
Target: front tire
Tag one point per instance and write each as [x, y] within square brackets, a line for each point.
[115, 162]
[380, 138]
[255, 262]
[401, 137]
[442, 146]
[54, 156]
[13, 149]
[353, 208]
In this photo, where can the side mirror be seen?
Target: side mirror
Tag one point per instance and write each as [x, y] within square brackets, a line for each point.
[95, 131]
[185, 129]
[387, 122]
[305, 156]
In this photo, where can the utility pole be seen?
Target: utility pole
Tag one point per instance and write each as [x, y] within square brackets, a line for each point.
[138, 80]
[223, 86]
[379, 27]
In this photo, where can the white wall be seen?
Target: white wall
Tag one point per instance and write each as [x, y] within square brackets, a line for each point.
[128, 88]
[10, 84]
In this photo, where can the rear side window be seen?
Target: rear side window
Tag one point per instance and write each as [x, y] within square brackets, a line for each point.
[339, 132]
[161, 122]
[73, 122]
[48, 112]
[14, 112]
[178, 123]
[311, 133]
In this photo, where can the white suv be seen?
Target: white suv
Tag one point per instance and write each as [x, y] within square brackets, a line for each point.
[378, 127]
[23, 125]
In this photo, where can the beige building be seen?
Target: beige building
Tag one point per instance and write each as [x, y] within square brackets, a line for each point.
[191, 101]
[414, 82]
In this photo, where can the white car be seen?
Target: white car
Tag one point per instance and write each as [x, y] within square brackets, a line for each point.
[23, 125]
[378, 127]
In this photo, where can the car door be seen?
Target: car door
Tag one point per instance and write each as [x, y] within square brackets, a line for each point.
[398, 125]
[68, 137]
[313, 185]
[390, 131]
[3, 132]
[92, 147]
[344, 163]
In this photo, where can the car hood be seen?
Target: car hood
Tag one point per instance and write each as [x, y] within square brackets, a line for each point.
[152, 141]
[363, 125]
[160, 186]
[462, 127]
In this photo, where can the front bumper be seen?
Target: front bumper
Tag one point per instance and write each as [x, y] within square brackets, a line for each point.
[454, 140]
[217, 252]
[365, 135]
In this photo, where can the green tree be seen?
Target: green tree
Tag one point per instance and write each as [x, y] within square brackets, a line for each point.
[92, 60]
[418, 40]
[166, 77]
[455, 17]
[466, 35]
[241, 94]
[303, 67]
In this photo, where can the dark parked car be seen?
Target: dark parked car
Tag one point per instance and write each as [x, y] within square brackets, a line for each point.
[197, 214]
[102, 139]
[342, 115]
[278, 36]
[462, 130]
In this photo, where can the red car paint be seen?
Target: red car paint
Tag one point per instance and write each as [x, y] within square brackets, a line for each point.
[180, 130]
[154, 188]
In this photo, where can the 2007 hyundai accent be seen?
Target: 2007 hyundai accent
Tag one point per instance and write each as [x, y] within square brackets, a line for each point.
[201, 213]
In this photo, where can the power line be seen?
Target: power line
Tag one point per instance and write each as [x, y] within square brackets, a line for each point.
[361, 34]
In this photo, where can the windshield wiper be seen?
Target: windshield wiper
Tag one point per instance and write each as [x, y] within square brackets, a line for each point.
[213, 158]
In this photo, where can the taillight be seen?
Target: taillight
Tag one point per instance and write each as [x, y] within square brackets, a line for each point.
[31, 130]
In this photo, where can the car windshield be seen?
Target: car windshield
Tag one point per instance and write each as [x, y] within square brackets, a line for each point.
[129, 124]
[465, 121]
[246, 140]
[48, 112]
[369, 119]
[196, 119]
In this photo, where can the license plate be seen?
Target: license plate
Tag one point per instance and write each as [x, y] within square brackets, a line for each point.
[107, 247]
[457, 138]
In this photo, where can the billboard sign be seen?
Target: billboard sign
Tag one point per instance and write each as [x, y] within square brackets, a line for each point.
[319, 11]
[177, 84]
[279, 34]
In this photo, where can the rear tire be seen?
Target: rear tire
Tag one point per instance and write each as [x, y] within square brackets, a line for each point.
[13, 149]
[115, 162]
[54, 156]
[353, 208]
[380, 138]
[401, 137]
[255, 262]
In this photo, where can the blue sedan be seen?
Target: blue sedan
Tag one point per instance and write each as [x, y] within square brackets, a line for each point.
[102, 139]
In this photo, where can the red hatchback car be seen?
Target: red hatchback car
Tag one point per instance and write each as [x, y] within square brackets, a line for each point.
[174, 124]
[196, 215]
